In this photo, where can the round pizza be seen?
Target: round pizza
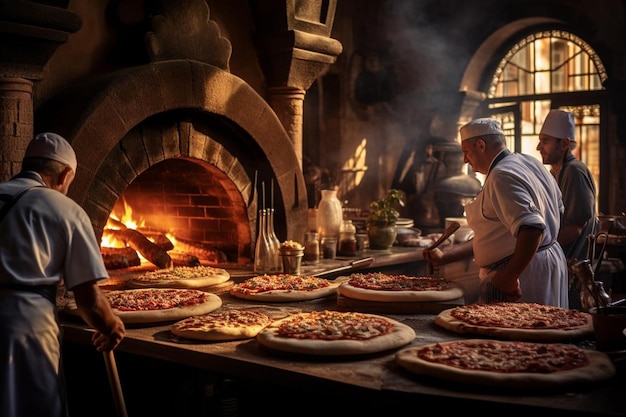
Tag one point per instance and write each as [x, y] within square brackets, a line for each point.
[507, 364]
[518, 321]
[377, 286]
[335, 333]
[180, 277]
[234, 324]
[156, 305]
[284, 288]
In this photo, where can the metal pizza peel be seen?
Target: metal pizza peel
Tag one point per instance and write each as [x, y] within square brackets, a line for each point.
[356, 264]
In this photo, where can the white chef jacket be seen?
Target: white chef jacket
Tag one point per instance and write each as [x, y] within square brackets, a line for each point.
[46, 238]
[519, 191]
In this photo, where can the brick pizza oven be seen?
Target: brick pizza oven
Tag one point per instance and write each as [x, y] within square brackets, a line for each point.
[187, 145]
[187, 141]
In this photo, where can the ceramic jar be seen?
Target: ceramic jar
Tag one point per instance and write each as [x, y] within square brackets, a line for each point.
[329, 215]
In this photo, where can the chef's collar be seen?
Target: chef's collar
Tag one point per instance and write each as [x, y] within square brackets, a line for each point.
[31, 175]
[499, 157]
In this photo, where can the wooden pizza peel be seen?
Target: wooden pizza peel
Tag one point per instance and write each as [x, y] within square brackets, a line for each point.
[446, 234]
[114, 382]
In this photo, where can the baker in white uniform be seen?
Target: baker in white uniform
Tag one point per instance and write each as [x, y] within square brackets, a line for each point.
[515, 219]
[46, 239]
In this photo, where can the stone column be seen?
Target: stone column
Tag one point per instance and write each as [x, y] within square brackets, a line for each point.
[287, 102]
[16, 129]
[32, 31]
[294, 47]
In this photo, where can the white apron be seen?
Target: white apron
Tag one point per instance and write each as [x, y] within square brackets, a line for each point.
[30, 351]
[520, 192]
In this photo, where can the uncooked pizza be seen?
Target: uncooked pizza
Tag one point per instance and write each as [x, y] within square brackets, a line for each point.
[180, 277]
[507, 364]
[155, 305]
[518, 321]
[377, 286]
[284, 288]
[222, 325]
[330, 333]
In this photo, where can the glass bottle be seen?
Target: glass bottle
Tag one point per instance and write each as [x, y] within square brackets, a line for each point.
[329, 215]
[347, 239]
[311, 248]
[275, 261]
[263, 248]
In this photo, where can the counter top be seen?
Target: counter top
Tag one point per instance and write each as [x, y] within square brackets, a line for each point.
[375, 378]
[395, 257]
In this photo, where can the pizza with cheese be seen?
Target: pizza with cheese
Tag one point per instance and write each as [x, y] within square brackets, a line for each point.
[233, 324]
[377, 286]
[284, 288]
[156, 305]
[518, 321]
[507, 364]
[180, 277]
[329, 333]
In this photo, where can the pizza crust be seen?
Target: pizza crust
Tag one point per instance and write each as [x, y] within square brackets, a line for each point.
[234, 324]
[599, 368]
[365, 294]
[287, 295]
[446, 320]
[212, 302]
[180, 277]
[400, 335]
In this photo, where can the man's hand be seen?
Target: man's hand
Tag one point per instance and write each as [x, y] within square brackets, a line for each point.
[105, 343]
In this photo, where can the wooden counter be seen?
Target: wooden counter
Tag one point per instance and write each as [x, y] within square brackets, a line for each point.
[277, 383]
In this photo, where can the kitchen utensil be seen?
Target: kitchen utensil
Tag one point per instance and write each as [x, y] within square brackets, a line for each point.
[114, 381]
[598, 263]
[446, 234]
[356, 264]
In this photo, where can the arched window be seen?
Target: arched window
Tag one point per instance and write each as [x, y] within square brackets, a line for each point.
[549, 69]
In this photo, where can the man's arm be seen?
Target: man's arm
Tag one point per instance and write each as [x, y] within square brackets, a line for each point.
[95, 309]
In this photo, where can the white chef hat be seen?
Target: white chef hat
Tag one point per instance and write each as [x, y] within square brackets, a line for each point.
[52, 146]
[559, 124]
[481, 127]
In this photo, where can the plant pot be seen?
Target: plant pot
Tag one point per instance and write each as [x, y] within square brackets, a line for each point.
[381, 236]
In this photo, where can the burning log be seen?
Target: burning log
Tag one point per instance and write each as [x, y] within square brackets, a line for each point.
[158, 238]
[152, 252]
[202, 252]
[184, 259]
[118, 258]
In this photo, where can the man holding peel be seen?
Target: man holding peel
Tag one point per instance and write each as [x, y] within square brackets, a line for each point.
[47, 239]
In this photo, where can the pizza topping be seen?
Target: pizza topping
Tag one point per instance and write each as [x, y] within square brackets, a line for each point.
[519, 316]
[505, 357]
[227, 318]
[180, 273]
[285, 282]
[383, 282]
[333, 325]
[153, 299]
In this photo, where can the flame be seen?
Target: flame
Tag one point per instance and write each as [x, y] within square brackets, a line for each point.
[116, 223]
[127, 218]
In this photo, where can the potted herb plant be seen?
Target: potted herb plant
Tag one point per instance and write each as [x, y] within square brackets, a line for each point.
[382, 218]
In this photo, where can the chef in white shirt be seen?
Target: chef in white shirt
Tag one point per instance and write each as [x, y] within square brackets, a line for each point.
[515, 219]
